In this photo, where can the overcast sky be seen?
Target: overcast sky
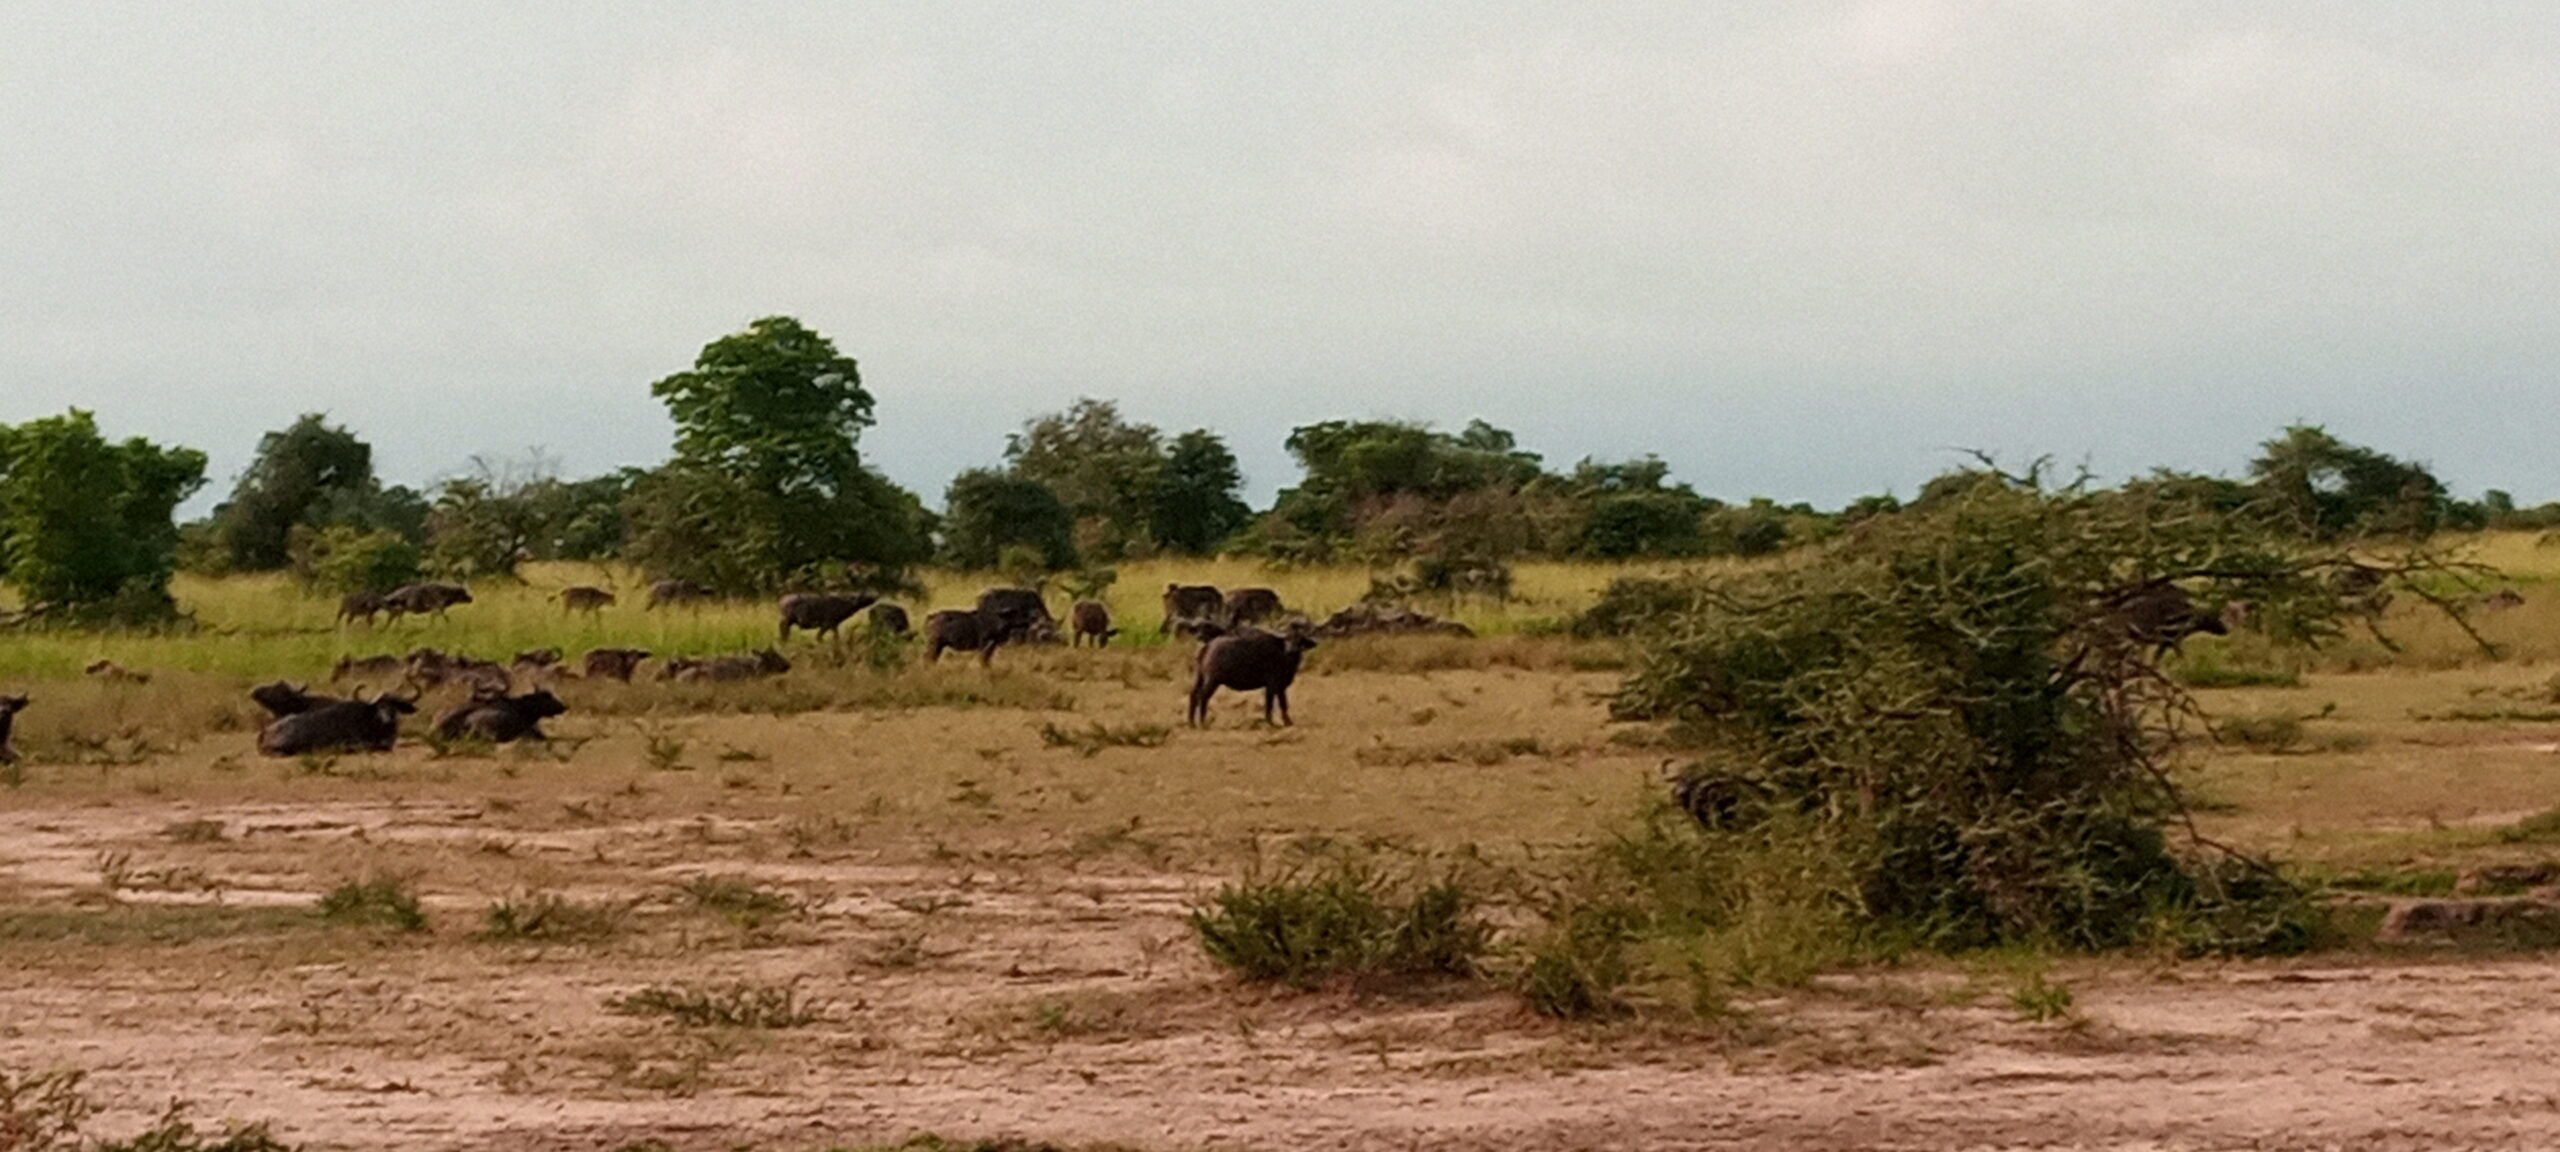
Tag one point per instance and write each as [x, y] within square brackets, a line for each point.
[1801, 250]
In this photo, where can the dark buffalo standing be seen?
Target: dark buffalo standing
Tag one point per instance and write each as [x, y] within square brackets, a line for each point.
[666, 592]
[753, 665]
[357, 725]
[1245, 660]
[281, 699]
[1191, 602]
[585, 598]
[2162, 616]
[962, 630]
[891, 619]
[10, 706]
[1091, 619]
[1251, 606]
[820, 612]
[425, 599]
[1017, 611]
[363, 606]
[614, 663]
[500, 719]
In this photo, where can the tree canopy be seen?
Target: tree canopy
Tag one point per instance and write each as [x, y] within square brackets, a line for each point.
[308, 475]
[86, 524]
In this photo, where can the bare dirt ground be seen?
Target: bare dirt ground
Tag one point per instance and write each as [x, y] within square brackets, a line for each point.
[991, 929]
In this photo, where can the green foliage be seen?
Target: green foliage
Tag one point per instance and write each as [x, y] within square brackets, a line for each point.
[505, 512]
[1196, 507]
[310, 476]
[342, 558]
[85, 525]
[987, 512]
[1103, 468]
[549, 916]
[767, 488]
[375, 902]
[2322, 488]
[1954, 700]
[1343, 914]
[1635, 605]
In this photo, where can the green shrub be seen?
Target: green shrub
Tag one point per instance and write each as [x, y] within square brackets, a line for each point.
[1343, 914]
[381, 901]
[535, 914]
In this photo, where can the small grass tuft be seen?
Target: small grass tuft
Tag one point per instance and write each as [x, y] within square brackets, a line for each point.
[1092, 739]
[201, 831]
[738, 1005]
[380, 901]
[2541, 827]
[1343, 915]
[536, 914]
[738, 899]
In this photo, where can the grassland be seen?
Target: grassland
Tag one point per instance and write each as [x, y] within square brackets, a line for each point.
[852, 904]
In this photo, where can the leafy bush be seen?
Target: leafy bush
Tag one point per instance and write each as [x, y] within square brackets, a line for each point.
[1961, 704]
[341, 558]
[1632, 605]
[1342, 914]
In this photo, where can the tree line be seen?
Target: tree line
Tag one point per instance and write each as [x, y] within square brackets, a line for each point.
[767, 489]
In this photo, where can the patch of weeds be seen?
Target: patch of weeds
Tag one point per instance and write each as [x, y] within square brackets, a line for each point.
[2541, 827]
[732, 754]
[2397, 881]
[1481, 753]
[738, 900]
[2493, 715]
[2211, 675]
[1343, 914]
[663, 751]
[898, 950]
[127, 925]
[175, 1133]
[201, 831]
[806, 834]
[379, 901]
[2273, 734]
[42, 1110]
[971, 794]
[739, 1005]
[1095, 737]
[2034, 994]
[536, 914]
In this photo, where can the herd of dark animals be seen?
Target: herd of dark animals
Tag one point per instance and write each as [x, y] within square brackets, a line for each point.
[1236, 652]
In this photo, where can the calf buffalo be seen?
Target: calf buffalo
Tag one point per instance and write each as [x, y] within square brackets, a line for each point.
[1245, 660]
[357, 725]
[1091, 619]
[962, 630]
[891, 619]
[1184, 602]
[1251, 606]
[819, 612]
[584, 598]
[667, 592]
[500, 719]
[613, 663]
[10, 706]
[425, 599]
[281, 699]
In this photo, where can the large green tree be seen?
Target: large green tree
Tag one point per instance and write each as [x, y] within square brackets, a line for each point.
[2323, 488]
[767, 487]
[987, 513]
[1196, 506]
[309, 475]
[85, 524]
[1103, 467]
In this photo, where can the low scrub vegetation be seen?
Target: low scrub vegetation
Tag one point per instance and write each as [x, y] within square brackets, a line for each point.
[1093, 738]
[380, 901]
[539, 915]
[1345, 915]
[736, 1005]
[52, 1112]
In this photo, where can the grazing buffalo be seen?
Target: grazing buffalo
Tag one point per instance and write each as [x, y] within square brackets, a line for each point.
[613, 663]
[1247, 659]
[820, 612]
[500, 719]
[754, 665]
[1252, 606]
[585, 598]
[363, 606]
[10, 706]
[670, 592]
[2161, 616]
[114, 673]
[357, 725]
[962, 630]
[1091, 619]
[425, 599]
[281, 699]
[429, 668]
[1191, 602]
[1017, 611]
[891, 619]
